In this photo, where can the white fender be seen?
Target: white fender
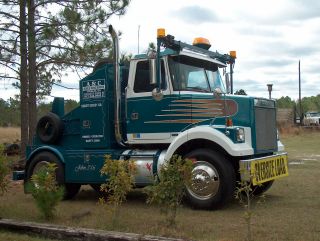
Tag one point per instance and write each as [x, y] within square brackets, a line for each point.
[211, 134]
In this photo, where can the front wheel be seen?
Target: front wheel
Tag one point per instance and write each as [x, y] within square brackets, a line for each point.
[213, 180]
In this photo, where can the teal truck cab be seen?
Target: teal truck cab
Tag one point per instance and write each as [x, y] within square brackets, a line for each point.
[169, 101]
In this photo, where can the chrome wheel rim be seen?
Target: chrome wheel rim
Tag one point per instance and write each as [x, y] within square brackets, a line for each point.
[36, 169]
[40, 165]
[205, 181]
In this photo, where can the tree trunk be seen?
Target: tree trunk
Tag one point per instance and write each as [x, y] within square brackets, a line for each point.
[32, 70]
[23, 80]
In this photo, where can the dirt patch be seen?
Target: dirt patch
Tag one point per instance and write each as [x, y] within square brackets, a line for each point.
[9, 134]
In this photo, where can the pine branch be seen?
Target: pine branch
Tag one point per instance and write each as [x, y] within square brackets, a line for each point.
[9, 77]
[53, 46]
[60, 24]
[10, 30]
[66, 39]
[9, 62]
[9, 15]
[62, 61]
[10, 40]
[11, 25]
[43, 3]
[7, 66]
[12, 51]
[11, 3]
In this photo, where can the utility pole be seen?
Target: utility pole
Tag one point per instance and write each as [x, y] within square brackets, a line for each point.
[270, 90]
[300, 108]
[231, 77]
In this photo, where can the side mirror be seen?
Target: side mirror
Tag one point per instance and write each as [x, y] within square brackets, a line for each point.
[228, 85]
[153, 71]
[217, 92]
[157, 94]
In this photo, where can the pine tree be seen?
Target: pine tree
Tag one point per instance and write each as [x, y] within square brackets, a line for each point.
[42, 39]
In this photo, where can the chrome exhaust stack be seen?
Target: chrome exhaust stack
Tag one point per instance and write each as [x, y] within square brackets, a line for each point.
[117, 86]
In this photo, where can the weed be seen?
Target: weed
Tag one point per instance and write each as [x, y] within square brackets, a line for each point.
[168, 191]
[120, 181]
[45, 190]
[4, 170]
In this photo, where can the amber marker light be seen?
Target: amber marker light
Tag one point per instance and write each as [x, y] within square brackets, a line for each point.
[161, 32]
[229, 122]
[202, 43]
[233, 54]
[200, 40]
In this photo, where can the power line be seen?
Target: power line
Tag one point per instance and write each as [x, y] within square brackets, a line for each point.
[66, 87]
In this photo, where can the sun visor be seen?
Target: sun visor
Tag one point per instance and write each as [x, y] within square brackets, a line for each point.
[197, 55]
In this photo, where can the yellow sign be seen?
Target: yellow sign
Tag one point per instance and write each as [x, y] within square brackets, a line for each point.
[268, 169]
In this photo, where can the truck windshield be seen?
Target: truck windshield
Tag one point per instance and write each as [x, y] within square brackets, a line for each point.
[193, 74]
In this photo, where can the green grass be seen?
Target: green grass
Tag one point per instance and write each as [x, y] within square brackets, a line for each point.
[290, 211]
[305, 145]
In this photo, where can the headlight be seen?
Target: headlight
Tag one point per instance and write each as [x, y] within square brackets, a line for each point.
[240, 135]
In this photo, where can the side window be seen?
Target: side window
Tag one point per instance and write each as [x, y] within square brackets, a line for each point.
[142, 78]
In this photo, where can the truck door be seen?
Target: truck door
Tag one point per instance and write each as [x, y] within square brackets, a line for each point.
[142, 109]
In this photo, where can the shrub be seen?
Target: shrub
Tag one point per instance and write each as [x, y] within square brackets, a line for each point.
[169, 189]
[45, 190]
[4, 170]
[245, 194]
[120, 181]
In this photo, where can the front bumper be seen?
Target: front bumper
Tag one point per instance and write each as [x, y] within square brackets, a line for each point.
[260, 170]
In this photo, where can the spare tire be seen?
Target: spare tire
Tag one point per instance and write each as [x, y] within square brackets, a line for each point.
[49, 128]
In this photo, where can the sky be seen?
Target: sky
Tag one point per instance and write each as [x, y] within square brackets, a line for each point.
[270, 37]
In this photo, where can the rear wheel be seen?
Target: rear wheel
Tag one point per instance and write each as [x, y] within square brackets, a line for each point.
[97, 188]
[213, 179]
[42, 159]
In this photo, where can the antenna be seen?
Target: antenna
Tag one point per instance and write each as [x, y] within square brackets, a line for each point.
[138, 37]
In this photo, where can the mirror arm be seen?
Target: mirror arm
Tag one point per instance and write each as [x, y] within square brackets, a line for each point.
[158, 74]
[231, 77]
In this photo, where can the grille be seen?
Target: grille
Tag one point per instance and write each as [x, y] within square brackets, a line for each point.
[266, 132]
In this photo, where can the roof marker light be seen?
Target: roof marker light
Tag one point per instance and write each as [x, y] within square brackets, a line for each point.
[233, 54]
[202, 43]
[161, 32]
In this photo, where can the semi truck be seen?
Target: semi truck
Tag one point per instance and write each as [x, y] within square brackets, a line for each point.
[169, 101]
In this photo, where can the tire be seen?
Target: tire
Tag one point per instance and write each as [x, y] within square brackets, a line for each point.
[100, 193]
[71, 190]
[96, 187]
[213, 181]
[258, 190]
[43, 158]
[49, 128]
